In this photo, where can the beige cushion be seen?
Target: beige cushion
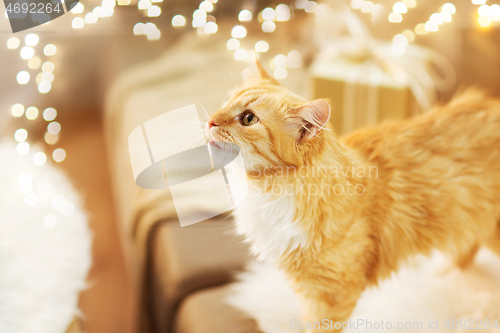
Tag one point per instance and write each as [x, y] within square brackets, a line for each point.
[207, 312]
[188, 259]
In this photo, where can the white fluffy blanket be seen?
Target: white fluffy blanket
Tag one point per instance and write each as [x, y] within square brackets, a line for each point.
[431, 293]
[44, 248]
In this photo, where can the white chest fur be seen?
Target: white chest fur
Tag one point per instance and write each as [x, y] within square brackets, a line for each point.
[268, 224]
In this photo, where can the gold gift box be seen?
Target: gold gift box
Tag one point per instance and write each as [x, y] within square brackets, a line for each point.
[361, 93]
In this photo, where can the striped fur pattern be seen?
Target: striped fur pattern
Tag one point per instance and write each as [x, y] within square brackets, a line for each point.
[337, 215]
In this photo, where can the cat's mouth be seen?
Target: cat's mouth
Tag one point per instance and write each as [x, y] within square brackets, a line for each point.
[216, 144]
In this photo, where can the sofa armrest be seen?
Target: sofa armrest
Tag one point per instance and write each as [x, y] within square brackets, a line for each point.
[184, 260]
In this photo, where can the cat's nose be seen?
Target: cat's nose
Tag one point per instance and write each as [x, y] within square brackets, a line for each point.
[211, 123]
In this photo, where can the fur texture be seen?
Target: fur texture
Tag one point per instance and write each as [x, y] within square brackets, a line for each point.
[434, 289]
[42, 269]
[338, 215]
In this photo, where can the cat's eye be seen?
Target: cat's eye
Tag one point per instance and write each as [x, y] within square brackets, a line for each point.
[248, 118]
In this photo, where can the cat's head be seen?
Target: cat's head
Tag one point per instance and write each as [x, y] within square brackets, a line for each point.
[271, 125]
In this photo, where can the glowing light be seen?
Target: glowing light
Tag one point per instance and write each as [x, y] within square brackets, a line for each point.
[400, 8]
[280, 60]
[124, 2]
[410, 3]
[210, 28]
[233, 44]
[357, 4]
[38, 78]
[445, 16]
[268, 14]
[200, 13]
[21, 135]
[23, 148]
[431, 26]
[17, 110]
[31, 39]
[59, 155]
[436, 18]
[495, 12]
[245, 15]
[154, 11]
[31, 199]
[27, 52]
[50, 221]
[206, 6]
[78, 8]
[410, 36]
[49, 114]
[178, 21]
[49, 50]
[32, 113]
[13, 43]
[395, 17]
[311, 7]
[108, 3]
[144, 4]
[483, 10]
[44, 87]
[294, 59]
[48, 76]
[268, 26]
[139, 29]
[39, 159]
[199, 21]
[106, 11]
[280, 73]
[78, 23]
[34, 63]
[367, 7]
[478, 2]
[90, 18]
[240, 54]
[484, 21]
[48, 67]
[23, 77]
[400, 40]
[261, 46]
[154, 35]
[239, 32]
[54, 128]
[449, 7]
[283, 13]
[301, 4]
[149, 28]
[97, 11]
[51, 139]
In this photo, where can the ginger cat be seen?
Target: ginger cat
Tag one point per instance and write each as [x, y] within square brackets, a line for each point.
[337, 215]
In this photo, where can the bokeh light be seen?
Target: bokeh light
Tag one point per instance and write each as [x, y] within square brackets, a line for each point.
[59, 155]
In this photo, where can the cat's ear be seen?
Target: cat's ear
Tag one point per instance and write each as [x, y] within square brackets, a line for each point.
[308, 120]
[255, 72]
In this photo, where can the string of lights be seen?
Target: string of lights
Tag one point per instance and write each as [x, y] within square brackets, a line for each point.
[205, 23]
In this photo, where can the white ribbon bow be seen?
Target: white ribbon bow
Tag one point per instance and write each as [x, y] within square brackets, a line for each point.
[418, 67]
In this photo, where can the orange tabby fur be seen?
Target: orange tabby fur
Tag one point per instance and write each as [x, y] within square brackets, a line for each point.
[433, 182]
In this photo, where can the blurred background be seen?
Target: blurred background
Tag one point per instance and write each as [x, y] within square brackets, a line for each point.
[72, 89]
